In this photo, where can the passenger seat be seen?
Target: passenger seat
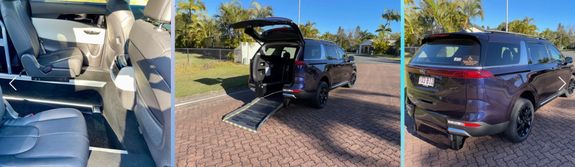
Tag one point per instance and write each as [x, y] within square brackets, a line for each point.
[56, 137]
[61, 64]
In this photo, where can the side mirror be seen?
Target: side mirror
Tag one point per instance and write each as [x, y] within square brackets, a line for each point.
[568, 60]
[350, 59]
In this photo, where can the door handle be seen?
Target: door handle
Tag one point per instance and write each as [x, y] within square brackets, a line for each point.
[92, 32]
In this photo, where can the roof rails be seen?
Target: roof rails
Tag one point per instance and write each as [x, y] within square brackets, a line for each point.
[514, 33]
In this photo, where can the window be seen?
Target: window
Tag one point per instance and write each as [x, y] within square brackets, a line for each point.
[331, 52]
[555, 53]
[289, 50]
[448, 52]
[538, 53]
[312, 51]
[502, 54]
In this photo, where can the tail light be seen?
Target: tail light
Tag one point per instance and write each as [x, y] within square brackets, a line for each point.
[299, 63]
[458, 73]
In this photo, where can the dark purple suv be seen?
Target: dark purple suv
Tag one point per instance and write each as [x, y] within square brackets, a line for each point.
[295, 67]
[460, 85]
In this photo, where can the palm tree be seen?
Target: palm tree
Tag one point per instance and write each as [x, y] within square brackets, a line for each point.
[308, 30]
[257, 11]
[471, 9]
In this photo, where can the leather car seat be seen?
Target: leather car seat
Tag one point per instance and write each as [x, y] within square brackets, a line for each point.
[64, 63]
[56, 137]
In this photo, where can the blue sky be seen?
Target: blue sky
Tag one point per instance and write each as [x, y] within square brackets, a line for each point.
[545, 13]
[328, 15]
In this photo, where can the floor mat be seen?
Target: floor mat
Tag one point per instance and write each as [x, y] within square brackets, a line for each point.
[100, 133]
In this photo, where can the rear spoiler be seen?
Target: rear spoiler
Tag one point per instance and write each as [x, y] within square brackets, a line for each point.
[433, 37]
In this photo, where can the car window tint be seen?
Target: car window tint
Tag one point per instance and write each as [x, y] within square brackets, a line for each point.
[555, 53]
[502, 54]
[448, 52]
[289, 50]
[538, 53]
[312, 51]
[341, 53]
[331, 52]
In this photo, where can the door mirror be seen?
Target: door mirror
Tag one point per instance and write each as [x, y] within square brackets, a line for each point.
[568, 60]
[350, 59]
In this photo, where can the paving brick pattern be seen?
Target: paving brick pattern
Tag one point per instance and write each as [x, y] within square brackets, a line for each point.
[359, 127]
[551, 143]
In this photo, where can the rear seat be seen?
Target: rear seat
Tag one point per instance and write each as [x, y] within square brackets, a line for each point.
[56, 137]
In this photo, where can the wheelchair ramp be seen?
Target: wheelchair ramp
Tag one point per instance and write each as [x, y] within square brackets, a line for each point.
[254, 114]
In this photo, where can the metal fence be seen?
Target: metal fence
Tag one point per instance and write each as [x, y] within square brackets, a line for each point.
[410, 50]
[210, 53]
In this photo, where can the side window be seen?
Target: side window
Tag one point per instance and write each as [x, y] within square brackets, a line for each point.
[502, 54]
[555, 53]
[331, 52]
[341, 53]
[538, 53]
[312, 51]
[289, 50]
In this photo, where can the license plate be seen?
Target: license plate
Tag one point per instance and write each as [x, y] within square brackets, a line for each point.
[426, 81]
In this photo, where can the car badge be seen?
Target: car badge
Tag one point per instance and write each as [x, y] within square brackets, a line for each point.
[422, 71]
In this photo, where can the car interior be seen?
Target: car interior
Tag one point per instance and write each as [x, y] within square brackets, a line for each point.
[85, 83]
[274, 65]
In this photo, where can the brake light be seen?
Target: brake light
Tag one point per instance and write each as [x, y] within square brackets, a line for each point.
[465, 124]
[459, 73]
[471, 125]
[299, 63]
[439, 35]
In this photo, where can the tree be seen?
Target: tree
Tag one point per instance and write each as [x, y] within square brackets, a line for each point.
[190, 28]
[308, 30]
[524, 26]
[471, 9]
[328, 37]
[259, 11]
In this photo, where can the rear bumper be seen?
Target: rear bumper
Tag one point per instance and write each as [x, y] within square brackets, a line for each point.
[433, 123]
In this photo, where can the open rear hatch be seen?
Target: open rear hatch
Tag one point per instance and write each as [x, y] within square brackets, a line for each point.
[437, 81]
[254, 114]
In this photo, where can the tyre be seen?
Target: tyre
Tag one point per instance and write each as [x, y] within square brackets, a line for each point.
[351, 81]
[521, 121]
[570, 88]
[321, 95]
[456, 142]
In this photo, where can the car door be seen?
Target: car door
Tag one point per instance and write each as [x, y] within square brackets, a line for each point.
[563, 70]
[334, 63]
[347, 66]
[543, 71]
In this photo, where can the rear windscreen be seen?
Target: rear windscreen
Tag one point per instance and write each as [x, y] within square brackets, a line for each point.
[448, 52]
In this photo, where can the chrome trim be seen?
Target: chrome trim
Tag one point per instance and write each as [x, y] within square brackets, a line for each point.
[457, 131]
[108, 150]
[339, 84]
[49, 102]
[74, 82]
[289, 95]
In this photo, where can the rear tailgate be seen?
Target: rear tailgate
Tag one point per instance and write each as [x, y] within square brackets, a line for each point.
[437, 93]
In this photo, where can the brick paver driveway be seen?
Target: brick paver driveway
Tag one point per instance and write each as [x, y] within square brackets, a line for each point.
[359, 126]
[551, 143]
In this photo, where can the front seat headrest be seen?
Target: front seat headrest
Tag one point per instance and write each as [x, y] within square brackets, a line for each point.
[160, 10]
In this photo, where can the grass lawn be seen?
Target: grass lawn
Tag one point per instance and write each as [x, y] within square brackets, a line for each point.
[198, 75]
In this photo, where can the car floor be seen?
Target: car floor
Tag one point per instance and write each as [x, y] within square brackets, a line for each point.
[134, 144]
[109, 148]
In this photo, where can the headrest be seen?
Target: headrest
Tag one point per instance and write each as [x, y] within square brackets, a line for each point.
[160, 10]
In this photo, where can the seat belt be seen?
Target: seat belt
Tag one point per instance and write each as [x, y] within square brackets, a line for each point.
[42, 47]
[13, 114]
